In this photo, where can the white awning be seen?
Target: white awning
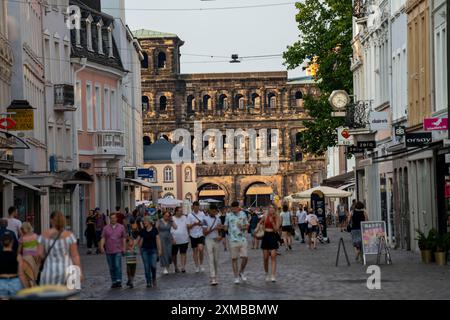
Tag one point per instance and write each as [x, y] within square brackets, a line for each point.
[139, 182]
[21, 183]
[344, 187]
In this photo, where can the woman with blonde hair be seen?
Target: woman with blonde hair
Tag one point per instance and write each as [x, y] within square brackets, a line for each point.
[271, 224]
[58, 251]
[28, 248]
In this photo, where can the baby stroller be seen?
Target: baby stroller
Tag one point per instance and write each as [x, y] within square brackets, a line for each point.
[320, 236]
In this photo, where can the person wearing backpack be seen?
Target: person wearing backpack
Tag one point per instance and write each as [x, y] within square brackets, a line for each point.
[313, 228]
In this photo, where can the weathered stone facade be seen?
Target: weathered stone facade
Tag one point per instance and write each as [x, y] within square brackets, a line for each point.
[257, 100]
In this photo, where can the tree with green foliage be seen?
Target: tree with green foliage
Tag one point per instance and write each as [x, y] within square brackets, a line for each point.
[325, 37]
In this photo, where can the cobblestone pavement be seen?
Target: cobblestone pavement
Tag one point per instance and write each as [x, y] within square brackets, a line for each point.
[302, 274]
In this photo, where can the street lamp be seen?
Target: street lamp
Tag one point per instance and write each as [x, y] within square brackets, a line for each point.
[235, 58]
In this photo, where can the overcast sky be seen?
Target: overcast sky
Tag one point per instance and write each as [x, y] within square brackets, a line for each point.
[247, 32]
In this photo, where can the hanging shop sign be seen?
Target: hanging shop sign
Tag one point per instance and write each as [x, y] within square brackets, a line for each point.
[145, 173]
[367, 145]
[344, 137]
[435, 124]
[447, 189]
[379, 121]
[418, 139]
[354, 150]
[7, 123]
[22, 113]
[400, 131]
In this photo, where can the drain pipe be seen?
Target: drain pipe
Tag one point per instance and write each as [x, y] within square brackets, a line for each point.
[82, 62]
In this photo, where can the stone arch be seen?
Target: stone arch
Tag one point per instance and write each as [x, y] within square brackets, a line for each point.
[202, 182]
[161, 60]
[263, 199]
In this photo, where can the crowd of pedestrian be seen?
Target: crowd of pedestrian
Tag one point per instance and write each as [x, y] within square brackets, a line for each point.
[28, 259]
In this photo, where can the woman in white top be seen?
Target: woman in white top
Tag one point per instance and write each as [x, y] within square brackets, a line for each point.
[180, 239]
[286, 227]
[313, 228]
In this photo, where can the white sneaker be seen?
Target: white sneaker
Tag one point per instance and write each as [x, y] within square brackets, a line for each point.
[267, 277]
[272, 278]
[165, 271]
[202, 269]
[197, 269]
[243, 277]
[237, 281]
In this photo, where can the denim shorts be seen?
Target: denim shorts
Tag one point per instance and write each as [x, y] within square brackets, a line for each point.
[9, 287]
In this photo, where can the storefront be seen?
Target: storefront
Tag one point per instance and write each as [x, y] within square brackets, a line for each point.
[26, 198]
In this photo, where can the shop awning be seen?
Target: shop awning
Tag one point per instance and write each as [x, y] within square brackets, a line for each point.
[76, 177]
[139, 183]
[263, 190]
[21, 183]
[346, 186]
[212, 193]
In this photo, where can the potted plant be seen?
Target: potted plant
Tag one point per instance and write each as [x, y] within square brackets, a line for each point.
[426, 245]
[441, 244]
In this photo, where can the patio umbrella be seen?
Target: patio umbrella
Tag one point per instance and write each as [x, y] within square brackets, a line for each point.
[293, 199]
[327, 192]
[211, 201]
[169, 202]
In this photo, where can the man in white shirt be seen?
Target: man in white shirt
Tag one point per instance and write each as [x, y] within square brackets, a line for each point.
[195, 223]
[213, 239]
[236, 224]
[181, 238]
[14, 224]
[301, 221]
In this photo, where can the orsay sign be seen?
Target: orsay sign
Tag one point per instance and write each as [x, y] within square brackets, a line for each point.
[418, 139]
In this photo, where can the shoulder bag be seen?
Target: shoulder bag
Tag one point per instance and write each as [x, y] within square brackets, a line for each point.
[259, 230]
[41, 267]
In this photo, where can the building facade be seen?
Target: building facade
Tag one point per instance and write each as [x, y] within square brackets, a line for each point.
[98, 74]
[260, 100]
[6, 63]
[170, 180]
[401, 185]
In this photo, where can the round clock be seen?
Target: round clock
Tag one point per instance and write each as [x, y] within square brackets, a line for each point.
[339, 99]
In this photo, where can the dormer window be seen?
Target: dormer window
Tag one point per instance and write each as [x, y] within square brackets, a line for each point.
[89, 21]
[110, 41]
[99, 36]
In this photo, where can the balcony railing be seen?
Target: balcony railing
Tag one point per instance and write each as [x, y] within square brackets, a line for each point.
[64, 97]
[358, 115]
[110, 143]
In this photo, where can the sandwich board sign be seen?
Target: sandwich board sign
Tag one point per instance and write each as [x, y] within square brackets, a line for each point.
[371, 233]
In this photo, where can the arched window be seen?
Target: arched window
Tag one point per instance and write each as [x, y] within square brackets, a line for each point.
[190, 104]
[188, 174]
[145, 104]
[223, 102]
[161, 60]
[147, 141]
[299, 99]
[256, 101]
[207, 103]
[162, 103]
[272, 100]
[298, 150]
[168, 174]
[144, 63]
[239, 101]
[155, 175]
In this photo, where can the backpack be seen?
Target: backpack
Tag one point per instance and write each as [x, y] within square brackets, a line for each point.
[314, 222]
